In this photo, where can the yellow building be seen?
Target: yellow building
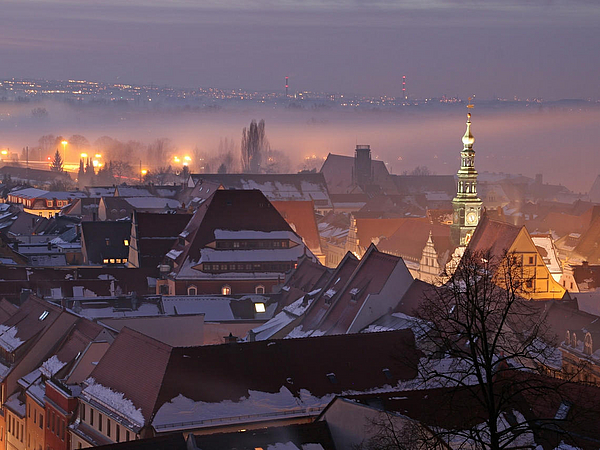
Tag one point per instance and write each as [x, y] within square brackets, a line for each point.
[501, 238]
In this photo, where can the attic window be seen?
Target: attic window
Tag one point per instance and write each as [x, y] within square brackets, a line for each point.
[43, 315]
[259, 307]
[126, 242]
[332, 378]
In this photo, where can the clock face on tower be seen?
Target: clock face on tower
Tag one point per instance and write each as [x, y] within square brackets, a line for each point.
[471, 218]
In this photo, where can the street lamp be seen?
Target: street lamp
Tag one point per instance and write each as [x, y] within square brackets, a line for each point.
[64, 144]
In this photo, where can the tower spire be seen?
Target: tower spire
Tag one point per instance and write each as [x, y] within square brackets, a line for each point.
[466, 205]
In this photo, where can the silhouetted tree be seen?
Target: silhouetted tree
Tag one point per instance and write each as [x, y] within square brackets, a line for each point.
[222, 169]
[57, 162]
[254, 144]
[121, 169]
[46, 144]
[482, 335]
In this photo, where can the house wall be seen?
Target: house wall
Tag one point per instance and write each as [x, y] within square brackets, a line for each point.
[56, 433]
[34, 425]
[544, 285]
[351, 424]
[214, 287]
[15, 431]
[103, 424]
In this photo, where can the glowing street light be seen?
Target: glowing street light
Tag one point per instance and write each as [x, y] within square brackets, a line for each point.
[97, 156]
[64, 144]
[4, 152]
[144, 171]
[176, 159]
[83, 155]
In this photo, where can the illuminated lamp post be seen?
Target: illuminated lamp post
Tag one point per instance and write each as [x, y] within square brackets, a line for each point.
[64, 144]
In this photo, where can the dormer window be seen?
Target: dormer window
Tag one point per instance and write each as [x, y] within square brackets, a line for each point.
[192, 290]
[226, 290]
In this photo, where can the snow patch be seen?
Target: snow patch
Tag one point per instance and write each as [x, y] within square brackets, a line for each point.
[51, 366]
[115, 401]
[8, 338]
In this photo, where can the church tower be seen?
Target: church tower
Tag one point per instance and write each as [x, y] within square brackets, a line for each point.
[466, 204]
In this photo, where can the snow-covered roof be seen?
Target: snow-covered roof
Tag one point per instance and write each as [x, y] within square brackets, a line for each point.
[114, 401]
[181, 412]
[8, 338]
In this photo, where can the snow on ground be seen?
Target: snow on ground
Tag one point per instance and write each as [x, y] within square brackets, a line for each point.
[116, 401]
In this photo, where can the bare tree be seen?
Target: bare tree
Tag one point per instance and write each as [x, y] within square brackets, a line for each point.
[79, 143]
[121, 169]
[482, 337]
[47, 144]
[254, 145]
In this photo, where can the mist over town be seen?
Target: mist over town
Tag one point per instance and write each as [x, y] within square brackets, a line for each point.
[332, 225]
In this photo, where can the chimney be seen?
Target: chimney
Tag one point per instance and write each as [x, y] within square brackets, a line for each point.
[231, 339]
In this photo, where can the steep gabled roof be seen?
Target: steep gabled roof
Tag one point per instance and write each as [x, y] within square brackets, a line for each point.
[297, 186]
[223, 381]
[105, 240]
[34, 316]
[330, 291]
[410, 238]
[492, 235]
[140, 382]
[308, 276]
[233, 210]
[369, 278]
[156, 234]
[588, 247]
[301, 217]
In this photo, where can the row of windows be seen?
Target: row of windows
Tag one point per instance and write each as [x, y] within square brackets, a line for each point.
[125, 242]
[104, 424]
[15, 428]
[248, 267]
[254, 243]
[114, 260]
[55, 424]
[225, 289]
[35, 416]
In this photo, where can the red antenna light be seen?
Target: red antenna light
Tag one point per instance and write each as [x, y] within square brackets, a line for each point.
[286, 86]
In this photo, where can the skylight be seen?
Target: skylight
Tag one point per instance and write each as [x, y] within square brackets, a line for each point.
[259, 307]
[44, 315]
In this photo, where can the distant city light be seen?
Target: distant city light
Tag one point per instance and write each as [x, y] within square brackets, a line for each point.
[84, 155]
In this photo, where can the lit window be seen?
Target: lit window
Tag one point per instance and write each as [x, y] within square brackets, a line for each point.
[118, 260]
[126, 242]
[226, 290]
[124, 260]
[105, 261]
[112, 260]
[259, 307]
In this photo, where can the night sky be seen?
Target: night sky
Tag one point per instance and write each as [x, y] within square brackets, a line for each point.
[491, 48]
